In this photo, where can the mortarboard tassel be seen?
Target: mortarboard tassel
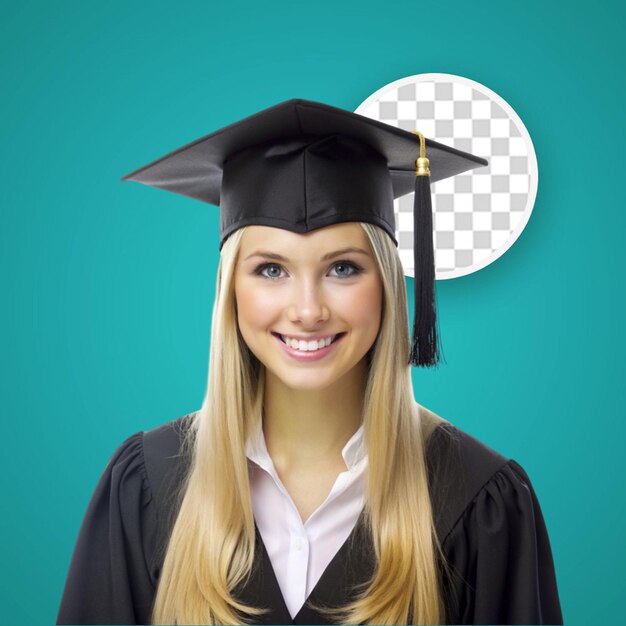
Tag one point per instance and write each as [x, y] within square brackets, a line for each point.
[425, 349]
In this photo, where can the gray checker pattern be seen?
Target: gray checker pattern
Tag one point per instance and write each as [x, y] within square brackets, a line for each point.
[475, 214]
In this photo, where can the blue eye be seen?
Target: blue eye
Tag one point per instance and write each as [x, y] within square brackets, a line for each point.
[354, 270]
[346, 264]
[261, 268]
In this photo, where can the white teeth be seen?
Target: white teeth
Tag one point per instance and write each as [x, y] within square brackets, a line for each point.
[307, 346]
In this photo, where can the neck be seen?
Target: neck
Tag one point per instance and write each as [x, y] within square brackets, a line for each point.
[307, 428]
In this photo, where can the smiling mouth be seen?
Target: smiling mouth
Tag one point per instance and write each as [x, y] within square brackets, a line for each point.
[335, 338]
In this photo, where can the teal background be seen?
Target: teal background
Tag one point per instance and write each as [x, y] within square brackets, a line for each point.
[107, 287]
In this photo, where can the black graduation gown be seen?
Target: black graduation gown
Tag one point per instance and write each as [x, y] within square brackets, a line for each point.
[486, 513]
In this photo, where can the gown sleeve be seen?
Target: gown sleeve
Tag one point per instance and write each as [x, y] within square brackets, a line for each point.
[501, 557]
[110, 579]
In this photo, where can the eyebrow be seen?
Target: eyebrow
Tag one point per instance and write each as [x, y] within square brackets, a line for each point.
[331, 255]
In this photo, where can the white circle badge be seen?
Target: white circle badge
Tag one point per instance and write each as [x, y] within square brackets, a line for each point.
[477, 215]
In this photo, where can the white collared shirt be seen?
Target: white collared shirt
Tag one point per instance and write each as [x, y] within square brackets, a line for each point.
[300, 552]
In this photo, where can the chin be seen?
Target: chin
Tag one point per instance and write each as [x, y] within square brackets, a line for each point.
[305, 381]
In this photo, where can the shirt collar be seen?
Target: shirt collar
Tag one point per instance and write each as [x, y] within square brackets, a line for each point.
[256, 450]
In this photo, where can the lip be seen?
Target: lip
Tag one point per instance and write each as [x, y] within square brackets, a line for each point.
[305, 357]
[307, 337]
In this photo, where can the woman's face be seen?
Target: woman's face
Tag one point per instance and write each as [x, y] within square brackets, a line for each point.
[306, 286]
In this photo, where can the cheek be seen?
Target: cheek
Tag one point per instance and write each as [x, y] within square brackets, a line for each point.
[363, 306]
[254, 306]
[373, 305]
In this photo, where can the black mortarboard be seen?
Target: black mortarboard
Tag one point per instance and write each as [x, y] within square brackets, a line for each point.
[302, 165]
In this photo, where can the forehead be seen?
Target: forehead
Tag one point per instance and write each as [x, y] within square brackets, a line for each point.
[316, 241]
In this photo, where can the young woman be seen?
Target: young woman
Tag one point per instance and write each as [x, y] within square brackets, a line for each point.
[310, 487]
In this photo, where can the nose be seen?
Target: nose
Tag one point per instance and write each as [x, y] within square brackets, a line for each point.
[308, 304]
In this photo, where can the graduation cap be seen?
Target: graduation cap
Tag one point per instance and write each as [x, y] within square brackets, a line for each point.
[302, 165]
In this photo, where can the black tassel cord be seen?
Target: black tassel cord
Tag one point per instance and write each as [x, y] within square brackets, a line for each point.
[425, 349]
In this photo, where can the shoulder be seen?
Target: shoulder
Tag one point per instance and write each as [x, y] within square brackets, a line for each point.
[145, 461]
[152, 451]
[167, 458]
[464, 473]
[121, 544]
[489, 522]
[165, 443]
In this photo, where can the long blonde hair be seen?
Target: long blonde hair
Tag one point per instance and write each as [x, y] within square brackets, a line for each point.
[212, 544]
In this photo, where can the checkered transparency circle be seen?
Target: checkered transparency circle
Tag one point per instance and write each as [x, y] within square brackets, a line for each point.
[479, 214]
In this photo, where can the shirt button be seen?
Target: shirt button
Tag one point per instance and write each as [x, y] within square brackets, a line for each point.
[298, 543]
